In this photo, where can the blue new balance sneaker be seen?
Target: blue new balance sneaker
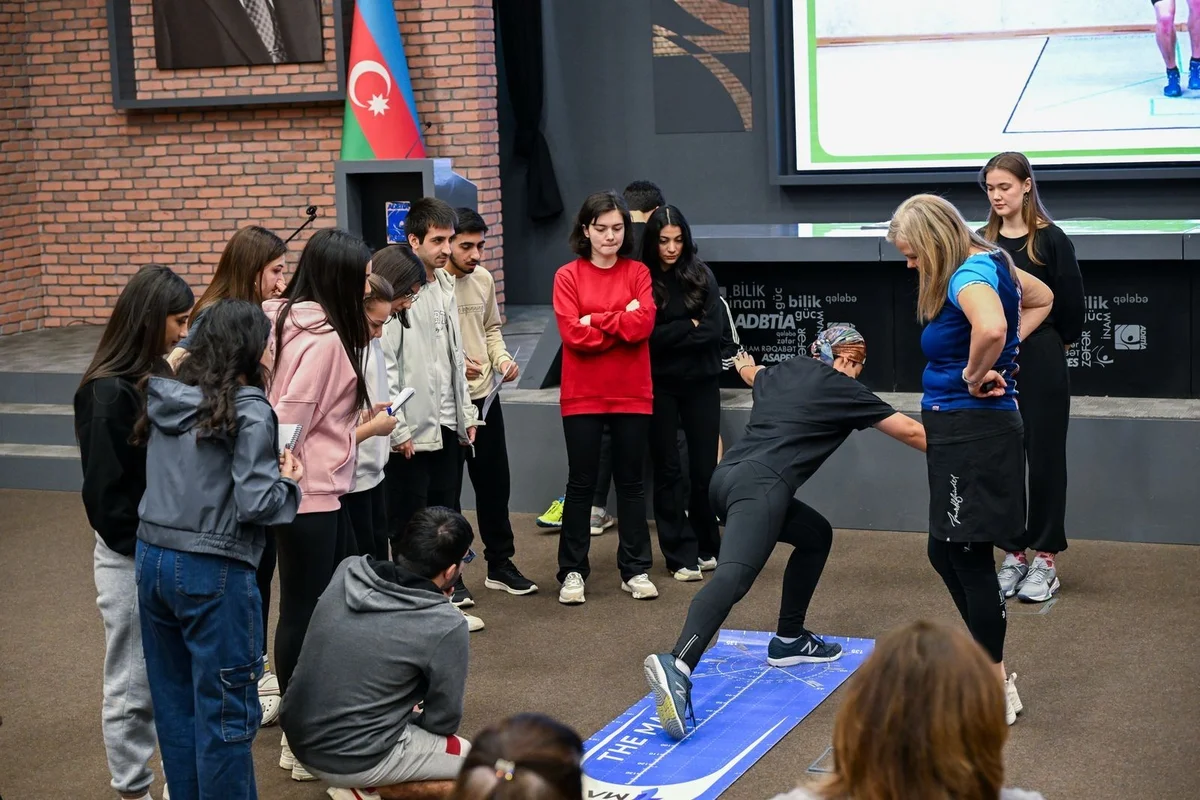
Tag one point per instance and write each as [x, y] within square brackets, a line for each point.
[808, 649]
[1194, 74]
[672, 694]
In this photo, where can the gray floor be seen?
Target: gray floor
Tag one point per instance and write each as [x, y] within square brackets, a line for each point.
[1108, 675]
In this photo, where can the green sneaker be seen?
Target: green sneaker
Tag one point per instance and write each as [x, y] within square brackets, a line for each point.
[553, 516]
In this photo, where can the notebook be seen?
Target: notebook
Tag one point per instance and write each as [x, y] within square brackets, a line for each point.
[289, 436]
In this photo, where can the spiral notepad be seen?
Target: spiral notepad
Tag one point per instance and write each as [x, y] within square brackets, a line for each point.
[289, 436]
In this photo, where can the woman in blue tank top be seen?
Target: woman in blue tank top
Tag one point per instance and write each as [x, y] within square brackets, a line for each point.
[977, 307]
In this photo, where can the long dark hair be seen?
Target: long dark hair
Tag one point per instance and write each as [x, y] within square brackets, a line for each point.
[333, 274]
[689, 269]
[239, 272]
[529, 756]
[402, 268]
[226, 353]
[595, 205]
[1033, 213]
[132, 343]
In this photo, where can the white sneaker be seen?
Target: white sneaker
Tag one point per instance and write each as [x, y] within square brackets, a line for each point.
[571, 593]
[686, 575]
[473, 623]
[287, 760]
[601, 521]
[352, 794]
[1012, 700]
[268, 698]
[640, 587]
[707, 564]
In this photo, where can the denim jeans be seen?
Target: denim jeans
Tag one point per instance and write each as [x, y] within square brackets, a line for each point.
[202, 633]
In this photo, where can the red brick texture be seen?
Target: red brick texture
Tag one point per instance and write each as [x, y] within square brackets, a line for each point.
[20, 273]
[89, 194]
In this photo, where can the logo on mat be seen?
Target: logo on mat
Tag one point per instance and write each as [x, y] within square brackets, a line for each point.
[1129, 337]
[956, 501]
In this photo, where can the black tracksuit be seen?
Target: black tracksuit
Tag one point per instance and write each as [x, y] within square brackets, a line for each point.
[685, 364]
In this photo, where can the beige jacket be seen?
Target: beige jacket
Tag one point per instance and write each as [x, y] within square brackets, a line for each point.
[479, 320]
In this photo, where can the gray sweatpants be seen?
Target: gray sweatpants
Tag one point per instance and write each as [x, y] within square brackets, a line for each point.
[128, 717]
[418, 756]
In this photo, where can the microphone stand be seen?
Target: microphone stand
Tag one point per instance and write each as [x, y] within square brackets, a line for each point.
[312, 215]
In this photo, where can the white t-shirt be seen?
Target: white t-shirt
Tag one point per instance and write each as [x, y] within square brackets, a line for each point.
[448, 403]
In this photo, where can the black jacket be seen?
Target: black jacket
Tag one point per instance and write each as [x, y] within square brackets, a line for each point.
[680, 351]
[114, 471]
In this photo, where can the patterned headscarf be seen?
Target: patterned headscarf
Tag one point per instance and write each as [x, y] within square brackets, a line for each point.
[840, 340]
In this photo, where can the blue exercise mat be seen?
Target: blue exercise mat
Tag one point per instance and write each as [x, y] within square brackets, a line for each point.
[743, 707]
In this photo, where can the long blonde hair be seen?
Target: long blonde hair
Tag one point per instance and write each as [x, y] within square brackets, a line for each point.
[922, 717]
[1033, 213]
[942, 241]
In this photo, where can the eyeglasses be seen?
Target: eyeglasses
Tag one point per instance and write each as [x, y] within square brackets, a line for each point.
[469, 557]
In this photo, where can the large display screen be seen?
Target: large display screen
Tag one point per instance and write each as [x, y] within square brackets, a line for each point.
[909, 84]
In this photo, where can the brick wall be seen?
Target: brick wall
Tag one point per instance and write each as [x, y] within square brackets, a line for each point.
[111, 190]
[20, 283]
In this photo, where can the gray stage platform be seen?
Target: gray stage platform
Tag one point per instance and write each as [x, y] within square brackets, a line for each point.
[1133, 462]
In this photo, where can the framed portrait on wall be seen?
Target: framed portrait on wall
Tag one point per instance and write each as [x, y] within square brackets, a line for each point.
[170, 54]
[236, 33]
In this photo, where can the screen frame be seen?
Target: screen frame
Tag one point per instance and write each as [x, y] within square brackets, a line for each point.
[781, 133]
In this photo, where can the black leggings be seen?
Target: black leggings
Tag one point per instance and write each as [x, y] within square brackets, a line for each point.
[310, 548]
[696, 409]
[969, 572]
[583, 433]
[264, 575]
[759, 511]
[368, 518]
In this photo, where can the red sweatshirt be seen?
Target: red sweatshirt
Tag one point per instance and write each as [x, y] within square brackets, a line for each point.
[605, 365]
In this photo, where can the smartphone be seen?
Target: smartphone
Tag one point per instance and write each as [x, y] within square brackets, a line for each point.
[987, 387]
[404, 397]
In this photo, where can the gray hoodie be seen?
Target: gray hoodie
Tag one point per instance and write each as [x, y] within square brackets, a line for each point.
[380, 641]
[212, 495]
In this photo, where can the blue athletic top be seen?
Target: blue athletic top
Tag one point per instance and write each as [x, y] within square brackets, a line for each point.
[946, 340]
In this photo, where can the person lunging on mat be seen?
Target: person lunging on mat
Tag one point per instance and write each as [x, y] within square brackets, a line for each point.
[804, 408]
[976, 307]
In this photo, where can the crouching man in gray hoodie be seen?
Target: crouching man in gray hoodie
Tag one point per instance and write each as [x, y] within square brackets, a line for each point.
[384, 639]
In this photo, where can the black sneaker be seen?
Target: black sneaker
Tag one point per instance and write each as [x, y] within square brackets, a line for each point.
[507, 578]
[808, 649]
[672, 694]
[462, 595]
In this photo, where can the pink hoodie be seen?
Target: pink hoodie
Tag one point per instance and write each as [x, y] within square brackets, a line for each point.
[313, 385]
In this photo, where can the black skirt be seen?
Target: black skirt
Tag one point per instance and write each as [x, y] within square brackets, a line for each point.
[976, 461]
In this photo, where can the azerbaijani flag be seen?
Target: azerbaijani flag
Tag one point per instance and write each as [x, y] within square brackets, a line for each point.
[381, 113]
